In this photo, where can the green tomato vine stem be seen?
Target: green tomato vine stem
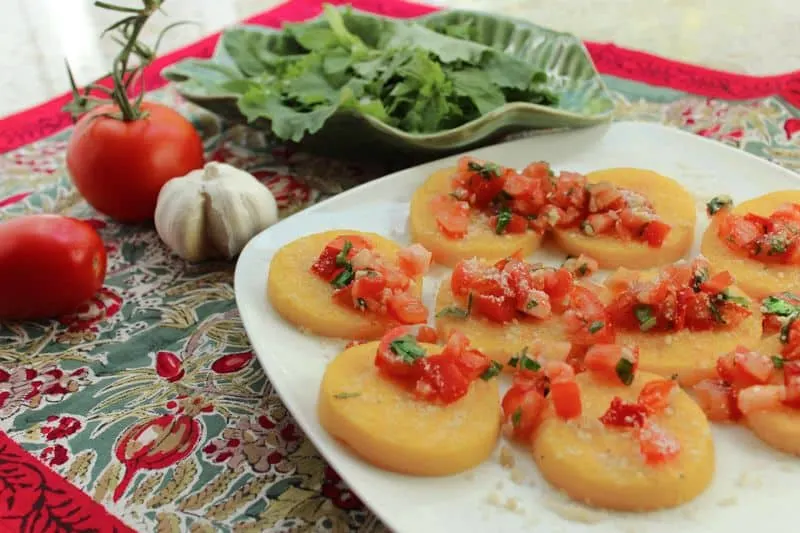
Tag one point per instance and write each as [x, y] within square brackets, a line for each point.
[124, 74]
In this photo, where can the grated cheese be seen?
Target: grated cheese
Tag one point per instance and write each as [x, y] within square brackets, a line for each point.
[506, 457]
[575, 512]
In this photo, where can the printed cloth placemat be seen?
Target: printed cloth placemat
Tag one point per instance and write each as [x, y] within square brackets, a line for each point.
[147, 409]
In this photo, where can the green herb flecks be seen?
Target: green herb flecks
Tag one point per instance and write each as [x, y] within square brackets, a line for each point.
[503, 218]
[777, 361]
[718, 203]
[487, 170]
[455, 311]
[344, 277]
[493, 371]
[407, 349]
[341, 257]
[645, 317]
[523, 362]
[346, 395]
[596, 326]
[624, 370]
[516, 417]
[774, 305]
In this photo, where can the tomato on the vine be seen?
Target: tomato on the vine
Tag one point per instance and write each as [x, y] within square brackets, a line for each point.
[49, 266]
[119, 166]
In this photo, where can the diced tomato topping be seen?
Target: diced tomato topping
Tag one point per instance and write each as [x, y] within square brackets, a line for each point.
[522, 410]
[440, 378]
[761, 398]
[769, 239]
[325, 266]
[655, 233]
[613, 362]
[717, 399]
[566, 397]
[791, 348]
[517, 224]
[517, 185]
[587, 321]
[388, 360]
[581, 266]
[743, 368]
[624, 414]
[655, 395]
[656, 445]
[354, 343]
[681, 297]
[472, 363]
[427, 334]
[498, 308]
[407, 309]
[414, 260]
[370, 285]
[452, 216]
[791, 379]
[539, 170]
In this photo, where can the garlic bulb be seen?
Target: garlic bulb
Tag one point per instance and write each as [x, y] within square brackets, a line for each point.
[213, 212]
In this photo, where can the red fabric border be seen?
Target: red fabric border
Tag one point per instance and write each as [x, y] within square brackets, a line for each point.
[46, 119]
[35, 499]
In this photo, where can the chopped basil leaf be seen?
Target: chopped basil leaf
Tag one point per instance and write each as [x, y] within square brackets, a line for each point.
[644, 314]
[456, 311]
[741, 301]
[346, 395]
[596, 326]
[344, 278]
[407, 349]
[487, 170]
[777, 245]
[715, 312]
[773, 305]
[550, 172]
[777, 361]
[624, 371]
[532, 304]
[502, 198]
[516, 417]
[361, 303]
[718, 203]
[583, 269]
[521, 360]
[700, 276]
[569, 256]
[503, 218]
[494, 370]
[587, 228]
[674, 377]
[341, 257]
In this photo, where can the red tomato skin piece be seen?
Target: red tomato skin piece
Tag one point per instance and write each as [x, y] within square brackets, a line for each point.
[387, 361]
[49, 266]
[624, 414]
[655, 395]
[119, 167]
[427, 334]
[566, 399]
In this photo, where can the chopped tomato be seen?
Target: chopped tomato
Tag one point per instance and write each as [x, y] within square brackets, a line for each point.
[353, 343]
[370, 285]
[440, 378]
[407, 309]
[656, 445]
[761, 398]
[498, 308]
[456, 343]
[717, 399]
[325, 266]
[558, 371]
[566, 397]
[771, 239]
[624, 414]
[791, 379]
[519, 185]
[655, 395]
[717, 283]
[655, 233]
[414, 260]
[581, 266]
[389, 360]
[452, 216]
[465, 273]
[743, 368]
[427, 334]
[613, 362]
[517, 224]
[522, 410]
[538, 170]
[605, 196]
[587, 321]
[472, 364]
[791, 348]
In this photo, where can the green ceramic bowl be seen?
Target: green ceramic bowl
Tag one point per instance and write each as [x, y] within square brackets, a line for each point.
[584, 99]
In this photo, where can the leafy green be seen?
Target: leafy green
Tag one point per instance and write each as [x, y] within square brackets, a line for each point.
[415, 78]
[407, 349]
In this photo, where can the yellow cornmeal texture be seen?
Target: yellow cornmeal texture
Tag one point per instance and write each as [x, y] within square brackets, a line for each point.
[498, 341]
[390, 428]
[304, 299]
[673, 204]
[604, 468]
[754, 277]
[480, 240]
[779, 429]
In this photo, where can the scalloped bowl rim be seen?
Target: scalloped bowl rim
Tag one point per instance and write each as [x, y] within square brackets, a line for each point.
[477, 123]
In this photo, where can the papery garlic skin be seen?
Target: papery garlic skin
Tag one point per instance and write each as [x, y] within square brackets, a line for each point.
[213, 212]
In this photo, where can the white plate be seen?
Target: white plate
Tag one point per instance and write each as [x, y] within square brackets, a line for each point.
[753, 486]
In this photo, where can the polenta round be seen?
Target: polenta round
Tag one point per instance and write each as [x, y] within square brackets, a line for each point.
[387, 426]
[671, 202]
[756, 278]
[778, 428]
[481, 240]
[603, 467]
[305, 300]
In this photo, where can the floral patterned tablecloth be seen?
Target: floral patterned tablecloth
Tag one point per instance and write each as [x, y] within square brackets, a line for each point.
[149, 399]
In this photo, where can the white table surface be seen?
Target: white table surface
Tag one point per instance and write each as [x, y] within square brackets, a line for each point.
[747, 36]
